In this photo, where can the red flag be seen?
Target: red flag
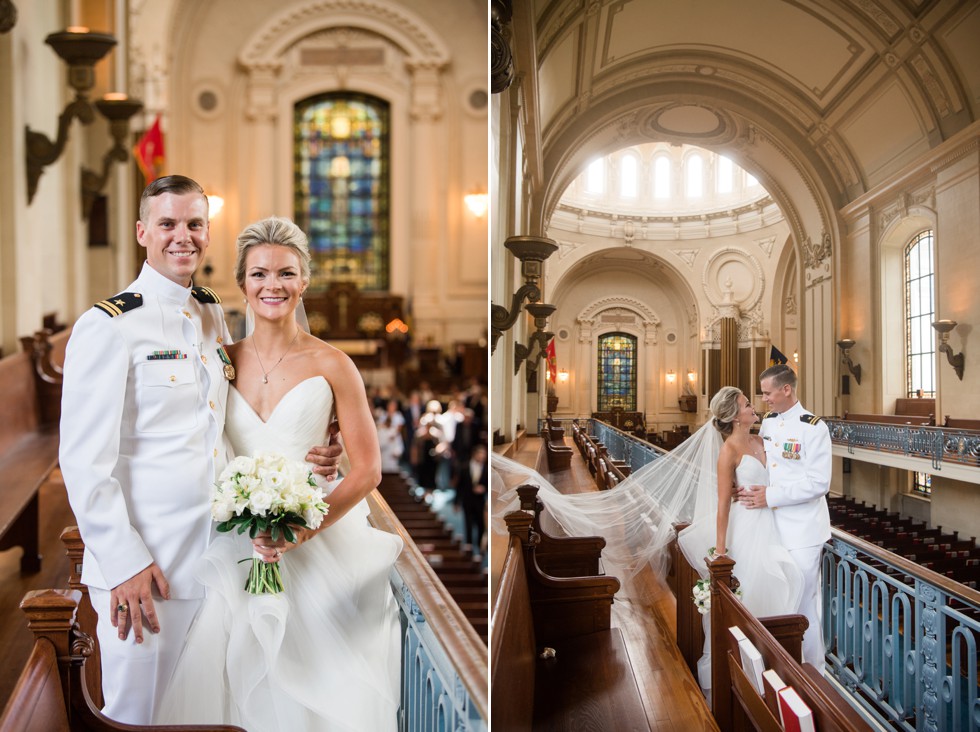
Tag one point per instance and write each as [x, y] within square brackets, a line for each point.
[149, 152]
[549, 355]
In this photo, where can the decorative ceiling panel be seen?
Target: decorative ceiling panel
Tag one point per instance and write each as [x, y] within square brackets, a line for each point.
[812, 53]
[557, 75]
[886, 128]
[961, 37]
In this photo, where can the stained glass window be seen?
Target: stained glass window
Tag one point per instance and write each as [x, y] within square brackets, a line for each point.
[920, 351]
[617, 372]
[341, 187]
[922, 484]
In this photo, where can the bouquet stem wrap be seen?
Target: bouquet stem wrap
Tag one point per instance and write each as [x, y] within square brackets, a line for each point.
[263, 577]
[267, 495]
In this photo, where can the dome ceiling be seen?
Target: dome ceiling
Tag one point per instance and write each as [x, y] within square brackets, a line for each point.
[863, 88]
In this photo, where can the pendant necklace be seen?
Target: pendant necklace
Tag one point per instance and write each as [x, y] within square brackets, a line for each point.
[265, 374]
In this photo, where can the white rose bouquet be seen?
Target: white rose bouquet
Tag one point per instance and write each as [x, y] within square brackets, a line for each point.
[702, 596]
[263, 493]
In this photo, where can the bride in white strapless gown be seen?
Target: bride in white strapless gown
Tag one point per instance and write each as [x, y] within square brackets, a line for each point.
[771, 583]
[323, 654]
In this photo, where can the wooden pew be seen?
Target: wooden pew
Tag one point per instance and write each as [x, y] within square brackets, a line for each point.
[51, 693]
[955, 423]
[913, 420]
[734, 702]
[559, 456]
[29, 414]
[560, 556]
[555, 431]
[915, 407]
[588, 682]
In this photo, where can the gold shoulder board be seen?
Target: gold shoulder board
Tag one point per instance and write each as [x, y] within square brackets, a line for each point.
[121, 303]
[205, 295]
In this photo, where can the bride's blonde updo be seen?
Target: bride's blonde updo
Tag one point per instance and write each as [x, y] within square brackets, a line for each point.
[279, 232]
[724, 408]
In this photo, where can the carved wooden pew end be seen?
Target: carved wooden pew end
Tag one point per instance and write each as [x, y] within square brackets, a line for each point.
[557, 663]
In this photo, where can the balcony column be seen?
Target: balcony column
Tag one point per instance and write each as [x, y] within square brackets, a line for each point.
[728, 330]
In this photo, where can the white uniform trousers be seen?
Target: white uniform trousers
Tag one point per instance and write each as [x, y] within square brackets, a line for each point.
[135, 676]
[808, 558]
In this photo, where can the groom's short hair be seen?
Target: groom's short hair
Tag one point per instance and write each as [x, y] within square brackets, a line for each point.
[781, 375]
[176, 184]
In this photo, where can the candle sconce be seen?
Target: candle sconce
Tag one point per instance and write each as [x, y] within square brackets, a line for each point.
[118, 109]
[943, 327]
[538, 340]
[845, 345]
[532, 251]
[81, 49]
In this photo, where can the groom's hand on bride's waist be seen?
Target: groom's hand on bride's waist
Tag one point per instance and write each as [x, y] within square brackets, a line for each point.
[325, 458]
[132, 599]
[752, 496]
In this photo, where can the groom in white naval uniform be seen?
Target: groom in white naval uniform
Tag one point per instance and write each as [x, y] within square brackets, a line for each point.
[798, 452]
[146, 381]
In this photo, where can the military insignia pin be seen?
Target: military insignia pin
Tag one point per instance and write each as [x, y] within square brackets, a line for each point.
[226, 360]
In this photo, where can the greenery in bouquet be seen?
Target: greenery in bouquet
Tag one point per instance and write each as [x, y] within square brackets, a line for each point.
[267, 493]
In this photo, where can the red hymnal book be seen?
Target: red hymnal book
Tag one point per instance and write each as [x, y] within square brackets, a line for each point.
[796, 715]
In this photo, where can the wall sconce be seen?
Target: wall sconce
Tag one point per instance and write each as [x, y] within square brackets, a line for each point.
[845, 345]
[538, 340]
[671, 377]
[215, 204]
[691, 376]
[532, 251]
[117, 108]
[81, 49]
[562, 376]
[943, 327]
[477, 201]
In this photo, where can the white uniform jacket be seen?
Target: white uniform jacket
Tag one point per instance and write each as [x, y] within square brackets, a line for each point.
[143, 412]
[798, 453]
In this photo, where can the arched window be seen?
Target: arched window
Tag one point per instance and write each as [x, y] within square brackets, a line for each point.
[724, 175]
[595, 179]
[694, 177]
[340, 196]
[920, 350]
[627, 179]
[617, 372]
[661, 177]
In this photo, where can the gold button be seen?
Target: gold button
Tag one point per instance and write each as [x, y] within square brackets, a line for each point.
[216, 452]
[204, 358]
[220, 339]
[173, 378]
[187, 314]
[211, 404]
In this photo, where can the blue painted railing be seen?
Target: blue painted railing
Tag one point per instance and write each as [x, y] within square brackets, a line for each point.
[902, 640]
[938, 444]
[444, 674]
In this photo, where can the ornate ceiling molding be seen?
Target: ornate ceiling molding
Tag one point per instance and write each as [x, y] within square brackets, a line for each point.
[620, 308]
[721, 293]
[423, 47]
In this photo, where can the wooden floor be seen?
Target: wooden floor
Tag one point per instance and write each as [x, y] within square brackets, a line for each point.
[15, 639]
[670, 693]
